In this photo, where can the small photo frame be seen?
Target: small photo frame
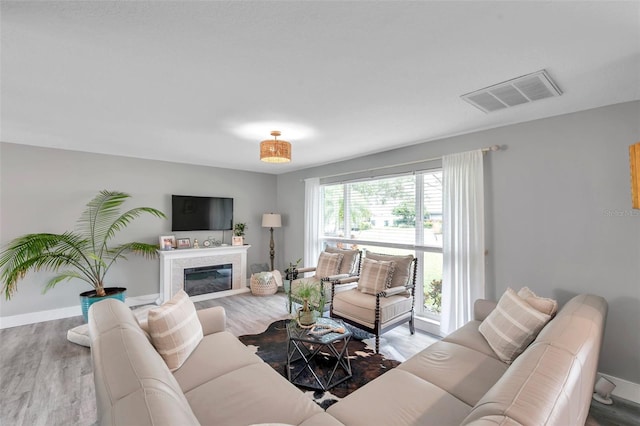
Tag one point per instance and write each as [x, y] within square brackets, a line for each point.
[167, 242]
[184, 243]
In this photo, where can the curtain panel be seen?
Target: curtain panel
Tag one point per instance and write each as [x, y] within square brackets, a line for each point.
[312, 219]
[463, 238]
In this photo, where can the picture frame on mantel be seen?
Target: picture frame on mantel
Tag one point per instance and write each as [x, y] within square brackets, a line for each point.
[184, 243]
[167, 242]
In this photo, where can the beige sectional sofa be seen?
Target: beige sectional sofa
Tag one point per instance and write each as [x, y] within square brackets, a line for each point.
[458, 380]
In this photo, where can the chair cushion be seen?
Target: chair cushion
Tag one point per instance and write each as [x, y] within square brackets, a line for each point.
[401, 269]
[348, 261]
[328, 264]
[511, 326]
[542, 304]
[375, 276]
[175, 329]
[361, 307]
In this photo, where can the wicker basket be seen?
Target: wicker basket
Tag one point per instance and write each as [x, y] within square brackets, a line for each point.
[261, 288]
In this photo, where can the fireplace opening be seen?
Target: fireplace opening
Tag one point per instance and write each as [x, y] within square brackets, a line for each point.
[208, 279]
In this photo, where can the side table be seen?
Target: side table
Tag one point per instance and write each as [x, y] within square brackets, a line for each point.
[318, 362]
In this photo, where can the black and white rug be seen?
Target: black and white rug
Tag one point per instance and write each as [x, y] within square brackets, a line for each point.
[366, 365]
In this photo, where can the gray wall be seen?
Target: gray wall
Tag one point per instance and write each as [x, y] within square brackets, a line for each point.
[45, 190]
[559, 216]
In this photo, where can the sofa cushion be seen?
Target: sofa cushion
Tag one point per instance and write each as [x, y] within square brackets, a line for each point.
[469, 336]
[463, 372]
[399, 398]
[355, 305]
[542, 304]
[227, 351]
[375, 276]
[348, 260]
[252, 394]
[328, 264]
[402, 267]
[511, 326]
[175, 329]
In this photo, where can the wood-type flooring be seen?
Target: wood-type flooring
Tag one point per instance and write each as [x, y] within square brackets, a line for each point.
[46, 380]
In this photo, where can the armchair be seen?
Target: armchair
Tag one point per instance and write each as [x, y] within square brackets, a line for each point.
[333, 264]
[384, 297]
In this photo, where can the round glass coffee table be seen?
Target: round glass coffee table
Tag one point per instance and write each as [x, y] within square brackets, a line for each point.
[318, 361]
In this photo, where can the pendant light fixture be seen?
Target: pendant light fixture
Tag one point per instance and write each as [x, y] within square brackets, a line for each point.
[274, 150]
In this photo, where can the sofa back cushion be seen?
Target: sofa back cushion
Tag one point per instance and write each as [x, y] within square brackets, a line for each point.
[133, 384]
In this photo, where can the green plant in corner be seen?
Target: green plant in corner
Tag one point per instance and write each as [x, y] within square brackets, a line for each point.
[85, 252]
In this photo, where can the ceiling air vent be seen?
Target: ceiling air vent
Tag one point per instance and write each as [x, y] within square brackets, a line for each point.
[521, 90]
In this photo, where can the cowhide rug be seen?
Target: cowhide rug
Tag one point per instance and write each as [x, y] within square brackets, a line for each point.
[366, 365]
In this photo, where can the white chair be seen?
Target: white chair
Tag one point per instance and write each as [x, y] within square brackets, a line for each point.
[333, 264]
[384, 296]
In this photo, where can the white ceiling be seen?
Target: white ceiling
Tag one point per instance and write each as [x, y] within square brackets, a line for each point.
[192, 81]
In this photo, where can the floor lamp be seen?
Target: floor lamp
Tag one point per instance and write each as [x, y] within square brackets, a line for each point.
[271, 220]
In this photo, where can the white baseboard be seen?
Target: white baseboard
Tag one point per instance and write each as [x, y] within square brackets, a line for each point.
[68, 312]
[624, 388]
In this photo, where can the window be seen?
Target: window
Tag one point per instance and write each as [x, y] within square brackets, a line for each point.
[394, 215]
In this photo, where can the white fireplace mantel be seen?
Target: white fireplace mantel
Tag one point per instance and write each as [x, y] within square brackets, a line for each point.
[174, 262]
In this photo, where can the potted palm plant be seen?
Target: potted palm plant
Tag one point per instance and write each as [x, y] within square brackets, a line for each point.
[84, 253]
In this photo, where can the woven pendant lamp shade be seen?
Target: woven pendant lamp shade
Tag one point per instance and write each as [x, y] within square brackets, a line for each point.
[274, 150]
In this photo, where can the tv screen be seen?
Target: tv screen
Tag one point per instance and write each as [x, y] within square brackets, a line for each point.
[191, 213]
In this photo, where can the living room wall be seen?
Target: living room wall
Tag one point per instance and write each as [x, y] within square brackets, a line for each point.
[45, 190]
[558, 213]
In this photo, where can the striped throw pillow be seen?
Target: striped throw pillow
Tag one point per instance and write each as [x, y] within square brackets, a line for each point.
[175, 329]
[328, 264]
[512, 326]
[375, 275]
[542, 304]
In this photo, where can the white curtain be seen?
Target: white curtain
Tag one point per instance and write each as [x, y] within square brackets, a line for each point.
[463, 238]
[312, 221]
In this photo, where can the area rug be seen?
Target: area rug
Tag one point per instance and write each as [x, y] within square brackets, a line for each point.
[366, 365]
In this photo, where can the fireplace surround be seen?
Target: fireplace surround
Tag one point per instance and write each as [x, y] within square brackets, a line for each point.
[173, 264]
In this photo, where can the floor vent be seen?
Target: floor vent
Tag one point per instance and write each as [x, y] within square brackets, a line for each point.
[521, 90]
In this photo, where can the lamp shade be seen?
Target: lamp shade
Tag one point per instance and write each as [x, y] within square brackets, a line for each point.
[271, 220]
[274, 150]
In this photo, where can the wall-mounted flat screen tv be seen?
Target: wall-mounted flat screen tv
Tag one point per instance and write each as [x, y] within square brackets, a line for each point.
[191, 213]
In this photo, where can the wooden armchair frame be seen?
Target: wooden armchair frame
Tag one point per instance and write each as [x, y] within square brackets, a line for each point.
[379, 328]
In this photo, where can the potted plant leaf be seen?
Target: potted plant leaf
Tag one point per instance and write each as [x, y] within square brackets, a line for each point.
[313, 301]
[84, 253]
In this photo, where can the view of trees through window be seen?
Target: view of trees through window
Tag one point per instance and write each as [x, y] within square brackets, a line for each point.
[394, 215]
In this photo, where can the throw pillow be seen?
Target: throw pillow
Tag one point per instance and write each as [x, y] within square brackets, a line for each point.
[402, 267]
[175, 329]
[512, 326]
[375, 275]
[328, 264]
[542, 304]
[348, 260]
